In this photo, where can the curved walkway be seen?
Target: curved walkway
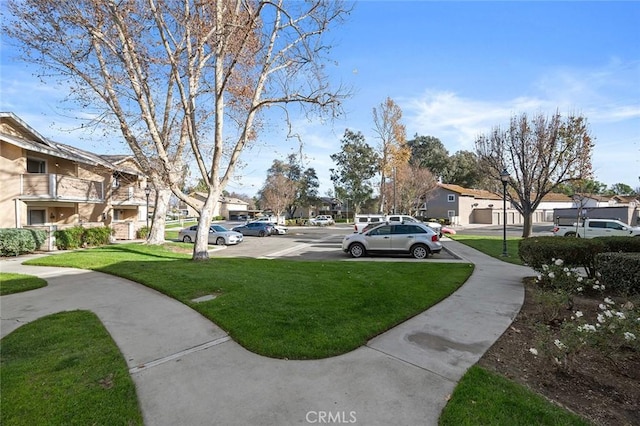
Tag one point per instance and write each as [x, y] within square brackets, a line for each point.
[188, 371]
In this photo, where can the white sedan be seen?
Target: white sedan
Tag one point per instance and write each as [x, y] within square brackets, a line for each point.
[321, 221]
[218, 235]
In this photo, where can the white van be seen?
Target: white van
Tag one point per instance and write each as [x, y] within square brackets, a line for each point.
[362, 220]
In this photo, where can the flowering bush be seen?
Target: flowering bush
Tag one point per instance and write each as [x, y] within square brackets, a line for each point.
[612, 328]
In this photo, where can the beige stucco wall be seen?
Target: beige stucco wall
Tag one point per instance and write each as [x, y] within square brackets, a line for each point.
[12, 164]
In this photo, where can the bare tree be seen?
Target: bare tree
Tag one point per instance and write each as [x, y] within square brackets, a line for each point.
[393, 150]
[278, 193]
[184, 75]
[412, 185]
[540, 154]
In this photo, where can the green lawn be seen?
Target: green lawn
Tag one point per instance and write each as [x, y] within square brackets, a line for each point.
[281, 308]
[65, 369]
[15, 283]
[277, 308]
[485, 398]
[492, 246]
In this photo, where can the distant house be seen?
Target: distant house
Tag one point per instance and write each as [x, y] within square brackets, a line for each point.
[464, 206]
[50, 185]
[622, 207]
[229, 208]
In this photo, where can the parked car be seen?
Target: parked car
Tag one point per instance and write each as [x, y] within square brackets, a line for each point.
[271, 220]
[413, 238]
[258, 229]
[218, 235]
[361, 221]
[321, 220]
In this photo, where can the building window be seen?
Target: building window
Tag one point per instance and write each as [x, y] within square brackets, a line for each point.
[37, 217]
[451, 198]
[451, 213]
[35, 165]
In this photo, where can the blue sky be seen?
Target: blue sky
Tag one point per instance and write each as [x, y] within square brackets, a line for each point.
[456, 69]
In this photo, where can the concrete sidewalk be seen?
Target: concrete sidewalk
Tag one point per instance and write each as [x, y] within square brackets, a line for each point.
[188, 371]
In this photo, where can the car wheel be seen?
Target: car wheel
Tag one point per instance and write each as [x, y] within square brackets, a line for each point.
[261, 234]
[220, 241]
[419, 251]
[357, 250]
[186, 239]
[571, 234]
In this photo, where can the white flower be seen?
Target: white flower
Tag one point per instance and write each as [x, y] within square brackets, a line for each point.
[579, 289]
[587, 328]
[598, 274]
[579, 279]
[539, 277]
[621, 315]
[608, 301]
[600, 318]
[602, 287]
[596, 287]
[602, 306]
[559, 262]
[545, 267]
[568, 274]
[566, 269]
[579, 314]
[559, 344]
[629, 336]
[608, 313]
[533, 351]
[552, 275]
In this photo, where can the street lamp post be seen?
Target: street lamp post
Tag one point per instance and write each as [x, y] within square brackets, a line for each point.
[504, 177]
[147, 191]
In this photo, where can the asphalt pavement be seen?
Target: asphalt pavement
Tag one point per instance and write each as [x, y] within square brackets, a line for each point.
[188, 371]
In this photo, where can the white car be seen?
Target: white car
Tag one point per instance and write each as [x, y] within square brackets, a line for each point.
[218, 235]
[322, 220]
[413, 238]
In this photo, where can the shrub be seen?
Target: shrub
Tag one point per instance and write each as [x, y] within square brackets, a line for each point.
[17, 241]
[78, 236]
[619, 272]
[97, 236]
[620, 244]
[70, 238]
[142, 233]
[575, 252]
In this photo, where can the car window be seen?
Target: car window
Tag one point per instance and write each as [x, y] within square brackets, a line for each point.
[382, 230]
[597, 225]
[614, 225]
[362, 219]
[408, 219]
[193, 228]
[375, 219]
[394, 218]
[218, 228]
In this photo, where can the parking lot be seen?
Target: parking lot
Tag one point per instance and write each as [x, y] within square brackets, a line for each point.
[305, 243]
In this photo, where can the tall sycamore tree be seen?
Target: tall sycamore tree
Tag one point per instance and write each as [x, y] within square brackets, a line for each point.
[183, 81]
[540, 153]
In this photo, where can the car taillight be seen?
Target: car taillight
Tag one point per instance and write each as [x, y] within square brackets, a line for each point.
[434, 238]
[555, 229]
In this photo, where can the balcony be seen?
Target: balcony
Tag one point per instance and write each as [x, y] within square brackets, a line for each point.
[130, 195]
[61, 188]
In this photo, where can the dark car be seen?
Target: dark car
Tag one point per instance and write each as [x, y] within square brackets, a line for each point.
[256, 229]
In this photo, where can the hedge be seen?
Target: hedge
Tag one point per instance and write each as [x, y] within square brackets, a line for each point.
[575, 252]
[78, 236]
[619, 272]
[621, 244]
[16, 241]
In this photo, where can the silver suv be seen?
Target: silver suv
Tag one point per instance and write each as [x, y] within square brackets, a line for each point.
[416, 239]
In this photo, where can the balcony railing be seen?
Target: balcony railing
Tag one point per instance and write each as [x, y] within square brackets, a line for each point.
[130, 195]
[60, 187]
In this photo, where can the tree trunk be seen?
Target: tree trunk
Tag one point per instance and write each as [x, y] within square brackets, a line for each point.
[527, 225]
[201, 246]
[156, 233]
